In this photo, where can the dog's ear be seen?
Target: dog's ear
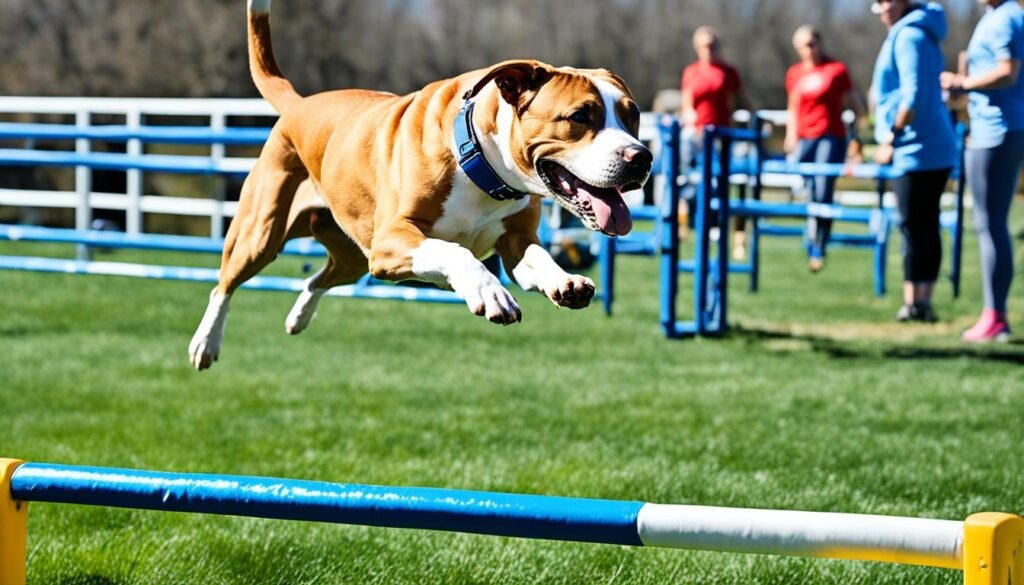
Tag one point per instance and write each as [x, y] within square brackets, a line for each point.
[514, 79]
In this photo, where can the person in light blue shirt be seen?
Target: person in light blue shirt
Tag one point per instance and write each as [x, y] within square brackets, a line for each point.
[995, 152]
[914, 131]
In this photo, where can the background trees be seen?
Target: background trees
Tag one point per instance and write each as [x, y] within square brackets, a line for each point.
[196, 48]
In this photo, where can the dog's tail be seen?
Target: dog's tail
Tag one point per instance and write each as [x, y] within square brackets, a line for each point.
[265, 73]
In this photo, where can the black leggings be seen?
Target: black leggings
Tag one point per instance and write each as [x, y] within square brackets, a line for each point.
[918, 194]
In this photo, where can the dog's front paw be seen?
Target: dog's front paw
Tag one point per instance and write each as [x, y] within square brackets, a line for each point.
[490, 299]
[202, 352]
[204, 349]
[574, 292]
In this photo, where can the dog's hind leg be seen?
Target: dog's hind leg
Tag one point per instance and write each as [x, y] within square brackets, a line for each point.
[254, 239]
[346, 263]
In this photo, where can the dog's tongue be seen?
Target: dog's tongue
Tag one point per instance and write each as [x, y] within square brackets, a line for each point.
[609, 208]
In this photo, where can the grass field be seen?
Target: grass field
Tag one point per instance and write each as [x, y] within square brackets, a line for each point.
[816, 401]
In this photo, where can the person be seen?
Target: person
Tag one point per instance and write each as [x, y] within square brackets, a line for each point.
[915, 134]
[818, 87]
[710, 92]
[996, 109]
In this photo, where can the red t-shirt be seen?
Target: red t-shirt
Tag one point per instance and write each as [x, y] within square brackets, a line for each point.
[712, 85]
[819, 92]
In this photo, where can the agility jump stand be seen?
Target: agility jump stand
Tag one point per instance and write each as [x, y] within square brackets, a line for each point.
[710, 277]
[713, 201]
[987, 547]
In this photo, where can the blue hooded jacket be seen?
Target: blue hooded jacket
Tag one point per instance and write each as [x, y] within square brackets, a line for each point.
[907, 75]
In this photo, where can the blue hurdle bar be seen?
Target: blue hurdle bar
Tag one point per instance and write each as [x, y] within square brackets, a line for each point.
[108, 239]
[948, 544]
[158, 163]
[525, 516]
[236, 136]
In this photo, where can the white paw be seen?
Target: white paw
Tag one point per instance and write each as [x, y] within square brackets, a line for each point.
[491, 300]
[203, 352]
[303, 311]
[204, 349]
[573, 291]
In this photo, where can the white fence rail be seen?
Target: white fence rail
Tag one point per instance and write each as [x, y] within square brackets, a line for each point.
[134, 202]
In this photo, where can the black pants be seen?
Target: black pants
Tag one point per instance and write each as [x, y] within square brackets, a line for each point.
[918, 194]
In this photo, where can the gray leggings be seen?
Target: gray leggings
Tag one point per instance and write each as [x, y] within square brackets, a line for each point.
[992, 175]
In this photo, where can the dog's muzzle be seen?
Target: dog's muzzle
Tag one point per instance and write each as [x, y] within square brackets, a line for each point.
[639, 161]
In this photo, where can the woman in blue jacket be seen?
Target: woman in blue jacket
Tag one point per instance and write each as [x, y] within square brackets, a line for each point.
[996, 150]
[914, 131]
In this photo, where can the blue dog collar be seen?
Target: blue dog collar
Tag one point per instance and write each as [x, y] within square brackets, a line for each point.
[472, 161]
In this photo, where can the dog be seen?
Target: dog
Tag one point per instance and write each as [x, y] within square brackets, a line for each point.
[421, 186]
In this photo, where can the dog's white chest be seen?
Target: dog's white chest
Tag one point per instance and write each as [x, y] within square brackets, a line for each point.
[472, 218]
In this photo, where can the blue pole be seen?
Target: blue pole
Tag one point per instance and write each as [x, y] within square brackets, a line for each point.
[524, 516]
[958, 227]
[755, 236]
[703, 228]
[669, 225]
[721, 280]
[606, 268]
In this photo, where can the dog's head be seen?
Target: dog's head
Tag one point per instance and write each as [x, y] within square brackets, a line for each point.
[571, 135]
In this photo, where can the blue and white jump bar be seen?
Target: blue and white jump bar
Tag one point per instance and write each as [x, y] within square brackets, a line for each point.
[988, 545]
[366, 288]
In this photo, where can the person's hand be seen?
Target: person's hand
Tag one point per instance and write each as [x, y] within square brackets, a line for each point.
[789, 144]
[855, 151]
[883, 154]
[952, 82]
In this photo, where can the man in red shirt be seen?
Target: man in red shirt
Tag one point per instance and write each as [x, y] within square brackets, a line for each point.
[711, 90]
[818, 88]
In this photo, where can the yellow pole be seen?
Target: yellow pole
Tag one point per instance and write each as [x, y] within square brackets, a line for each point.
[994, 549]
[13, 528]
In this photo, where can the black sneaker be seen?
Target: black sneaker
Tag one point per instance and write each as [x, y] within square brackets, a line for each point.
[925, 313]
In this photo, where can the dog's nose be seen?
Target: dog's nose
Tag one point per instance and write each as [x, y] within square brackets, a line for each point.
[638, 159]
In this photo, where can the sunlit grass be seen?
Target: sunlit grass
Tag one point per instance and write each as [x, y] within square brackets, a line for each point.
[818, 401]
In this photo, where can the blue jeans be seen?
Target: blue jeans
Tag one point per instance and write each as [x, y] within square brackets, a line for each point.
[826, 149]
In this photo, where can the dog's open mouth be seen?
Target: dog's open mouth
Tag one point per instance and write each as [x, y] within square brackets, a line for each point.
[601, 208]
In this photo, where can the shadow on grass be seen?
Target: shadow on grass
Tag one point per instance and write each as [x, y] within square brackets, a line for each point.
[1012, 352]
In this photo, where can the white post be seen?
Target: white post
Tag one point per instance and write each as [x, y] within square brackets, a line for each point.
[218, 121]
[83, 182]
[133, 212]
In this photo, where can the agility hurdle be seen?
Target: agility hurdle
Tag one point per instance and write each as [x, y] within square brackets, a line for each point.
[714, 201]
[987, 547]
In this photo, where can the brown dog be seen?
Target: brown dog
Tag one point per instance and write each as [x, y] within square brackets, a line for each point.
[418, 187]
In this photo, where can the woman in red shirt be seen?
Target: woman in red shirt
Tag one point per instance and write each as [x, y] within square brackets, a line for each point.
[711, 90]
[818, 87]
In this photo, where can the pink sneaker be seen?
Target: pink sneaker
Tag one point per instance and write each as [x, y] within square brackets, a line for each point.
[991, 326]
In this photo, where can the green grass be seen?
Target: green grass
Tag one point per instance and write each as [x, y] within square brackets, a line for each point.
[816, 401]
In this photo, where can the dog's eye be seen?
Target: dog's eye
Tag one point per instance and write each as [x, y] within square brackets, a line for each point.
[581, 116]
[634, 113]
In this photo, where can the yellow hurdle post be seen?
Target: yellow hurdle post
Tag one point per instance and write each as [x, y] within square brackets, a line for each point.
[13, 528]
[994, 549]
